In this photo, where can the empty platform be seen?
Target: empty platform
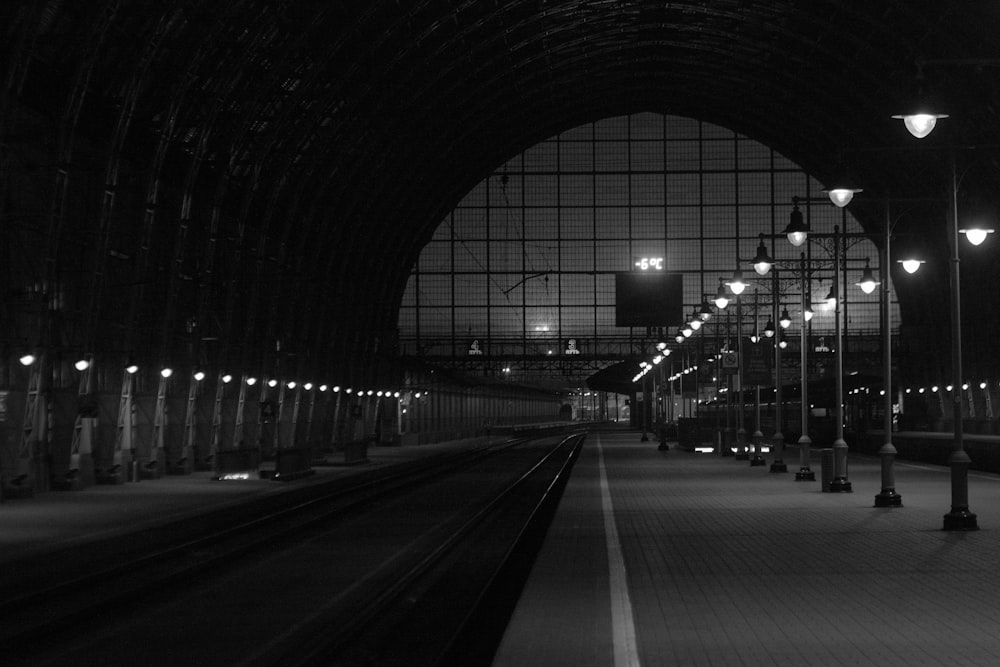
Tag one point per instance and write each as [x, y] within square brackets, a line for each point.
[675, 558]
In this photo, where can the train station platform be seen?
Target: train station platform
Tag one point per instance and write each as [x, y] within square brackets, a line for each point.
[676, 558]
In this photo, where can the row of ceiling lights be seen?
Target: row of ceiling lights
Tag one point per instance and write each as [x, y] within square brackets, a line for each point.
[199, 375]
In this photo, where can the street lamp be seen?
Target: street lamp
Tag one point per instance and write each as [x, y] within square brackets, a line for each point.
[867, 282]
[911, 265]
[721, 299]
[805, 474]
[797, 230]
[959, 518]
[887, 497]
[976, 235]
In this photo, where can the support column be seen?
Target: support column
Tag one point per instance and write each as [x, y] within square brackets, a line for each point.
[123, 461]
[215, 441]
[153, 468]
[81, 457]
[185, 464]
[22, 483]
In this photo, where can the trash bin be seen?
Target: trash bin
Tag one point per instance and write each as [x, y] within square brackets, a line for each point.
[826, 469]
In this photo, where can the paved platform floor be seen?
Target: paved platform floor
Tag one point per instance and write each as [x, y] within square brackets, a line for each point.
[674, 558]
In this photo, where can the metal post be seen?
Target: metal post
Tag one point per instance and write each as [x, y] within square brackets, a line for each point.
[839, 482]
[645, 409]
[887, 497]
[742, 451]
[959, 518]
[757, 459]
[805, 474]
[778, 465]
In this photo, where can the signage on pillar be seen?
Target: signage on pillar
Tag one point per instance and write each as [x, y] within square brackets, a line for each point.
[475, 348]
[730, 361]
[571, 347]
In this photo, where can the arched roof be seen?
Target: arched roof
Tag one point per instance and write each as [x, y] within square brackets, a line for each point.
[264, 174]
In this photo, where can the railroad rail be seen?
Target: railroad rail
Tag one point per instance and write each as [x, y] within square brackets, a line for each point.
[363, 553]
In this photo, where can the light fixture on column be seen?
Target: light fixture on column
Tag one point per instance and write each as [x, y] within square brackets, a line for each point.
[831, 297]
[843, 187]
[797, 230]
[920, 124]
[976, 235]
[769, 329]
[911, 265]
[786, 320]
[841, 197]
[82, 364]
[762, 261]
[736, 285]
[868, 282]
[705, 312]
[921, 114]
[721, 299]
[27, 359]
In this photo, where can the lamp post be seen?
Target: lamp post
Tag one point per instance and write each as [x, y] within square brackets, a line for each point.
[805, 474]
[742, 451]
[798, 233]
[645, 404]
[757, 459]
[920, 124]
[778, 464]
[839, 482]
[887, 497]
[959, 518]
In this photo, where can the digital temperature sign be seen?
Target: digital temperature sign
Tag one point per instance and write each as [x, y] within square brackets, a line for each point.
[648, 264]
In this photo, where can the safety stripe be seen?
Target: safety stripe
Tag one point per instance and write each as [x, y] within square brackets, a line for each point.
[623, 627]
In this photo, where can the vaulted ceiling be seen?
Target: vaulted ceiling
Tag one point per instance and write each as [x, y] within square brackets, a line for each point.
[253, 180]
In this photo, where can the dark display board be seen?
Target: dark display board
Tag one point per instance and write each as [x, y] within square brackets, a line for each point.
[649, 299]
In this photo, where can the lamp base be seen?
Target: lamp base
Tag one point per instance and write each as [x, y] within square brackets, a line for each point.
[779, 467]
[888, 498]
[805, 475]
[960, 519]
[757, 460]
[840, 485]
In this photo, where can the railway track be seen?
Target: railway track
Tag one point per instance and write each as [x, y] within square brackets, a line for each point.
[344, 575]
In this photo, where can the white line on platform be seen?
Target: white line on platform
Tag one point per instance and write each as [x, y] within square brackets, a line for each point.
[623, 626]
